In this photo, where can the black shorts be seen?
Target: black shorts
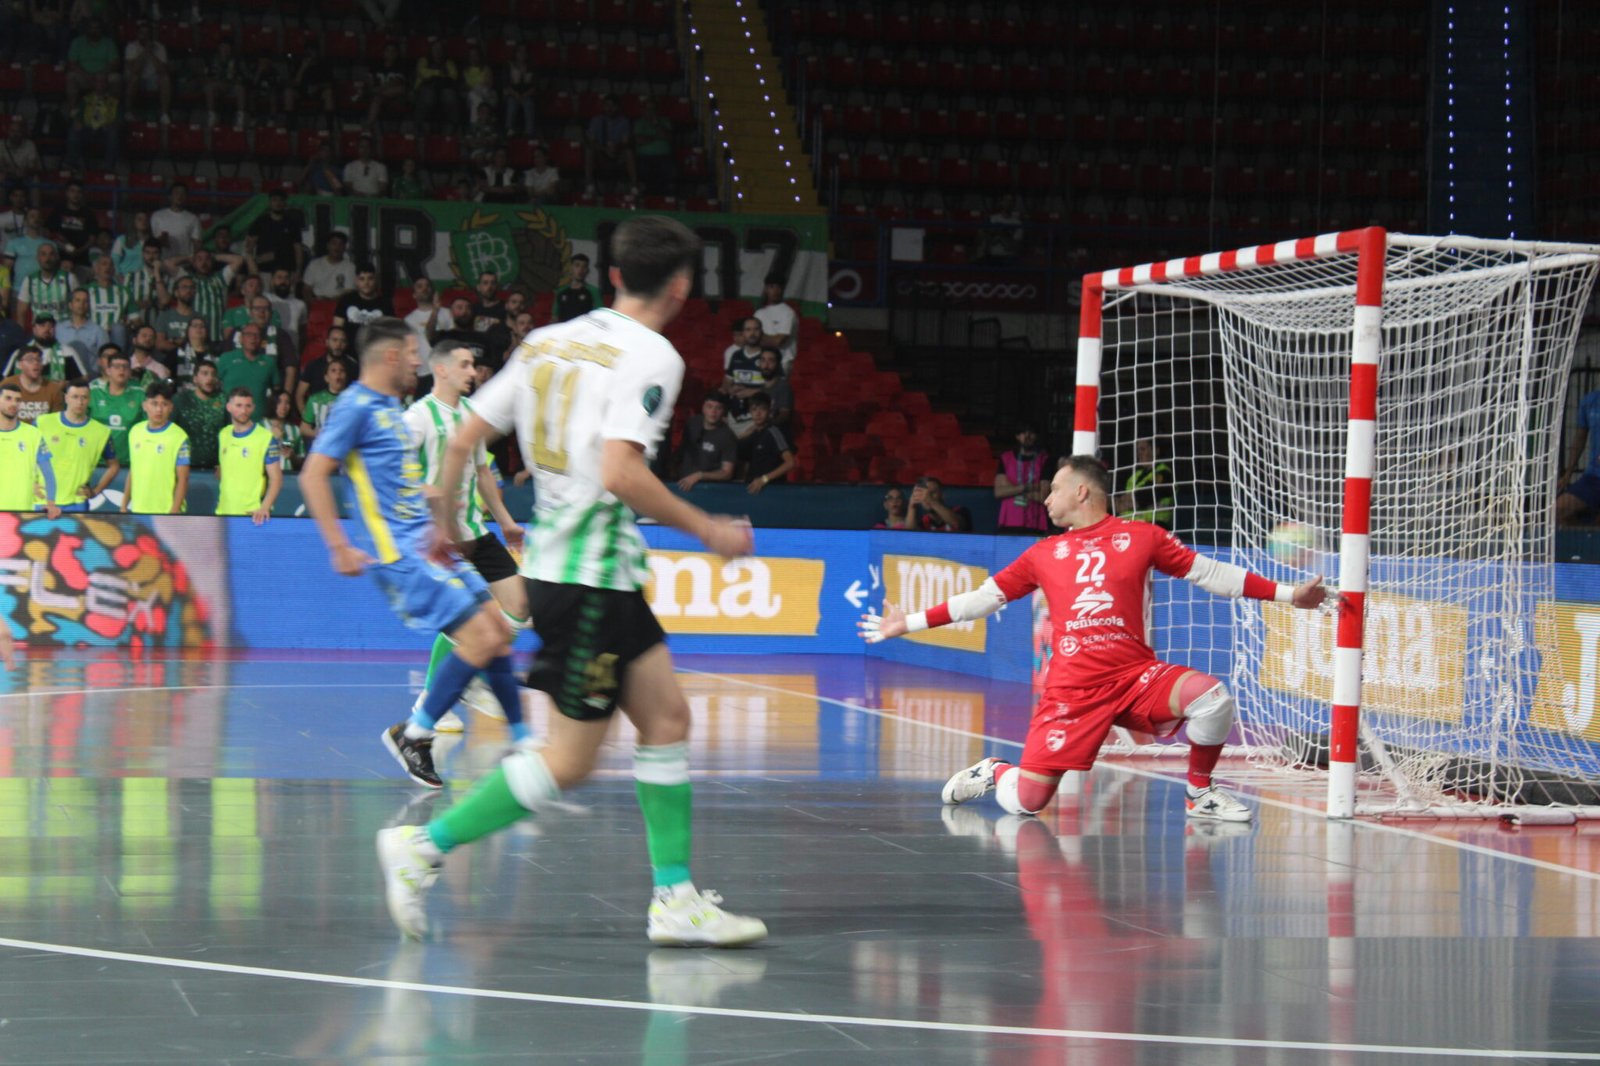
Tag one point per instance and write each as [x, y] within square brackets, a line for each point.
[590, 636]
[489, 558]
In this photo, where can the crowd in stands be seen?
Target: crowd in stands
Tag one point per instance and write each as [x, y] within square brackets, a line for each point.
[403, 107]
[168, 324]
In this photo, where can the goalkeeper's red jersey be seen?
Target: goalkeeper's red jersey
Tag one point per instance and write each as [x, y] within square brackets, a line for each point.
[1097, 581]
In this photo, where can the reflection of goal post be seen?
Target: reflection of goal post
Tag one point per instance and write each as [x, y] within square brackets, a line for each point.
[1400, 398]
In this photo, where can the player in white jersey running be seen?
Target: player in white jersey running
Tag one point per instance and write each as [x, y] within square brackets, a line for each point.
[590, 401]
[432, 420]
[1103, 673]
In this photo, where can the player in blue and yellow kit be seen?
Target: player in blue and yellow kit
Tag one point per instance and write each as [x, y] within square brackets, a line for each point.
[430, 589]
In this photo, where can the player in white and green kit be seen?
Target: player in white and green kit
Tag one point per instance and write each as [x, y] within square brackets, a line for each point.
[590, 401]
[433, 420]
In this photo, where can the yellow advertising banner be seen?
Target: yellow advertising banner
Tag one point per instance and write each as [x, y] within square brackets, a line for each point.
[1415, 655]
[917, 582]
[1568, 697]
[696, 592]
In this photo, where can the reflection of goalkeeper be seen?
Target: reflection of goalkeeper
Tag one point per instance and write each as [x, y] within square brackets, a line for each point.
[1096, 577]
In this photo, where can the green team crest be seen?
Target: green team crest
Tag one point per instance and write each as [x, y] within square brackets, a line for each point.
[526, 247]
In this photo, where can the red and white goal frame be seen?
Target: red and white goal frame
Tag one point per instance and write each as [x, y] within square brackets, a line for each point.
[1375, 253]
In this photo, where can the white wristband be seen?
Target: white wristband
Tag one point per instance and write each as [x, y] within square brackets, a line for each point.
[916, 623]
[1285, 593]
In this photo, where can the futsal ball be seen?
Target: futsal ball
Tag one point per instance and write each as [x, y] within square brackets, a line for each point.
[1292, 544]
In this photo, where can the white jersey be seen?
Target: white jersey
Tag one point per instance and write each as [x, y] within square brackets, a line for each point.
[567, 389]
[432, 423]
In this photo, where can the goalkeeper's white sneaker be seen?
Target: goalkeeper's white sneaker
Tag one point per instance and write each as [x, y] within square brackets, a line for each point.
[481, 698]
[450, 723]
[685, 917]
[408, 873]
[975, 781]
[1217, 805]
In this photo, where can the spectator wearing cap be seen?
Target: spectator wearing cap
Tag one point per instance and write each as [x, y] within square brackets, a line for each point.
[364, 175]
[59, 364]
[779, 323]
[330, 276]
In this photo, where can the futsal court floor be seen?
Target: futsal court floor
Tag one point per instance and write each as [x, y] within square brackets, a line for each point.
[187, 875]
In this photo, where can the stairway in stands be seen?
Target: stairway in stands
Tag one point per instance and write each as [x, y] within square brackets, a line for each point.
[768, 169]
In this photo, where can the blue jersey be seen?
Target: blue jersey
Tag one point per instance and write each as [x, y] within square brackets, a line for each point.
[1589, 419]
[366, 431]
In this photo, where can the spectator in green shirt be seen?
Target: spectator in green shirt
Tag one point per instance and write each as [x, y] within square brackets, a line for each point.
[91, 56]
[652, 150]
[114, 400]
[202, 411]
[318, 406]
[249, 367]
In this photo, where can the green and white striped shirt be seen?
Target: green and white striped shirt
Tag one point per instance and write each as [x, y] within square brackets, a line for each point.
[142, 290]
[211, 297]
[109, 304]
[568, 389]
[432, 423]
[51, 295]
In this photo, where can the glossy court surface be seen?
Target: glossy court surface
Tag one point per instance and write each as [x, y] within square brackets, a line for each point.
[188, 876]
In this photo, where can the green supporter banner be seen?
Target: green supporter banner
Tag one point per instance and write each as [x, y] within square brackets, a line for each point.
[452, 243]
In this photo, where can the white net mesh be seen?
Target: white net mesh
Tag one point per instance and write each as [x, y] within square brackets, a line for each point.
[1242, 382]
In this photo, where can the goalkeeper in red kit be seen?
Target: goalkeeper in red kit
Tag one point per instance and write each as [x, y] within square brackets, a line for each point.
[1102, 673]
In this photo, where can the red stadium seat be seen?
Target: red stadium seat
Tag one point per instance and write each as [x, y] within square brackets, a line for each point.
[395, 148]
[273, 144]
[48, 79]
[441, 150]
[230, 142]
[186, 140]
[143, 140]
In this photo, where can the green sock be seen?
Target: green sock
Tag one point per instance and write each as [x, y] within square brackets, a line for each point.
[668, 821]
[442, 647]
[488, 807]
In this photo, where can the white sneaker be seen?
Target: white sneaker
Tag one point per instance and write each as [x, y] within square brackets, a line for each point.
[1217, 805]
[695, 919]
[407, 876]
[450, 723]
[976, 780]
[481, 698]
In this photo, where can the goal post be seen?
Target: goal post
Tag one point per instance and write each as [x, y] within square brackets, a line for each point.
[1397, 399]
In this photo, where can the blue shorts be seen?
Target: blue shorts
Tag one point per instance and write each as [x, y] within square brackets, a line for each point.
[430, 597]
[1587, 489]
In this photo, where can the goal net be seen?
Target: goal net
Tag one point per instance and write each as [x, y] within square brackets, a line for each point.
[1383, 410]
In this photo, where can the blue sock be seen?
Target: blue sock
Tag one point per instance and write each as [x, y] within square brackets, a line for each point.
[450, 679]
[504, 682]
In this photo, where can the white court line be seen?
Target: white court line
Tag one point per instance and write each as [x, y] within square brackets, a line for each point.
[858, 1021]
[1124, 768]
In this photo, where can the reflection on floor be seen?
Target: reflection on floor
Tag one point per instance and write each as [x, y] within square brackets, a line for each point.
[188, 877]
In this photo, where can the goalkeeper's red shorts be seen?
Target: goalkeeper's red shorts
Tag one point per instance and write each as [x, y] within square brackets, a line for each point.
[1070, 724]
